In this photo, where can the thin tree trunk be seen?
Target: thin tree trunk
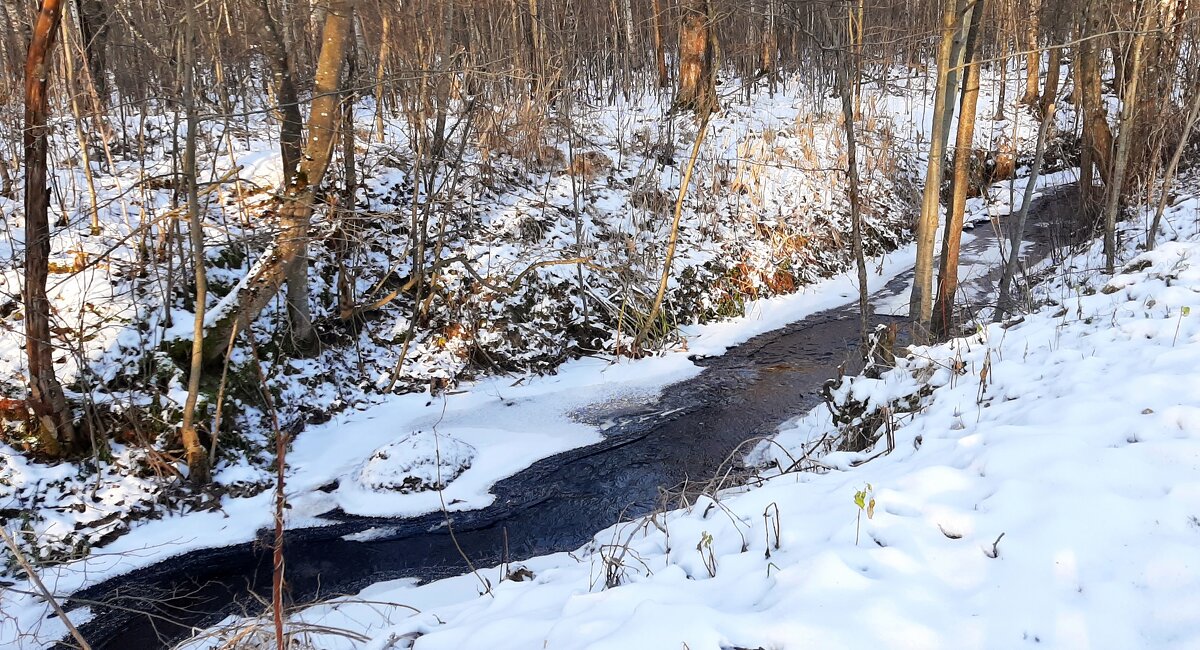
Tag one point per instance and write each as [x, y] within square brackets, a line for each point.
[1017, 235]
[46, 397]
[660, 52]
[199, 471]
[943, 309]
[921, 302]
[380, 69]
[845, 76]
[1050, 92]
[291, 122]
[1112, 198]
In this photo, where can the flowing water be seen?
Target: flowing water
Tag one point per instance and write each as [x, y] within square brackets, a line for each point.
[555, 505]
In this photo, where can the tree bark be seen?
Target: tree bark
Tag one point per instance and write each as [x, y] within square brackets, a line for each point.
[697, 58]
[291, 122]
[199, 471]
[1050, 92]
[1125, 133]
[288, 260]
[1096, 145]
[93, 28]
[660, 51]
[1033, 57]
[921, 302]
[46, 398]
[943, 309]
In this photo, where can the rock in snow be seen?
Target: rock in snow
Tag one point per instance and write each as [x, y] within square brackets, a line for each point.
[420, 461]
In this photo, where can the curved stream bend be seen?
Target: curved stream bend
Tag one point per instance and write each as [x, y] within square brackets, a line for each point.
[555, 505]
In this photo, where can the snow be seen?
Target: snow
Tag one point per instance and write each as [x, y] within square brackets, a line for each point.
[1071, 433]
[1044, 491]
[416, 463]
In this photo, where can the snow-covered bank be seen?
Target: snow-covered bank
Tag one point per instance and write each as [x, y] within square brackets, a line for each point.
[1044, 491]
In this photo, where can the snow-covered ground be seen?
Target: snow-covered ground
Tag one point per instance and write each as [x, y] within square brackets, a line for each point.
[774, 147]
[1043, 491]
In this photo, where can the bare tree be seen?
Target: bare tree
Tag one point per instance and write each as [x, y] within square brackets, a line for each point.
[46, 397]
[288, 261]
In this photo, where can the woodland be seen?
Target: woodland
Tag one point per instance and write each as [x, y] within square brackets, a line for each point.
[251, 246]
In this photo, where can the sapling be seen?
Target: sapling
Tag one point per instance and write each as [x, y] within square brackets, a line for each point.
[1182, 312]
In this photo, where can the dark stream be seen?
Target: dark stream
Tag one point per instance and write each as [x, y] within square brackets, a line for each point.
[555, 505]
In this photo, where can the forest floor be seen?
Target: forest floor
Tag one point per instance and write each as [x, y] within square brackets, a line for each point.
[380, 456]
[1036, 484]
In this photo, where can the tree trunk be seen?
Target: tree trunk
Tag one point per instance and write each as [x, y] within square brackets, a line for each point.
[1125, 133]
[291, 122]
[1017, 234]
[93, 28]
[1033, 57]
[1050, 92]
[845, 74]
[697, 58]
[46, 398]
[943, 309]
[288, 261]
[660, 51]
[199, 472]
[1096, 149]
[921, 302]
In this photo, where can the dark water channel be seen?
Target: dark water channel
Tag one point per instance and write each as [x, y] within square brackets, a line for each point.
[555, 505]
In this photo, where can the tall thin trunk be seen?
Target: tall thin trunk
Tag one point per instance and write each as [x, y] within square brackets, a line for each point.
[1129, 101]
[291, 123]
[943, 309]
[536, 55]
[697, 58]
[380, 70]
[846, 74]
[1096, 145]
[197, 458]
[46, 397]
[921, 302]
[660, 52]
[1017, 234]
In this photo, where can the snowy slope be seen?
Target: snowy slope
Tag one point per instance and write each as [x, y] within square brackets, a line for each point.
[1045, 492]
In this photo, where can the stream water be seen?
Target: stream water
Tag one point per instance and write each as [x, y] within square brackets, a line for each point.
[555, 505]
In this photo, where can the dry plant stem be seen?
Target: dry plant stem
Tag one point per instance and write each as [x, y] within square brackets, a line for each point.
[674, 239]
[1018, 229]
[41, 587]
[281, 442]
